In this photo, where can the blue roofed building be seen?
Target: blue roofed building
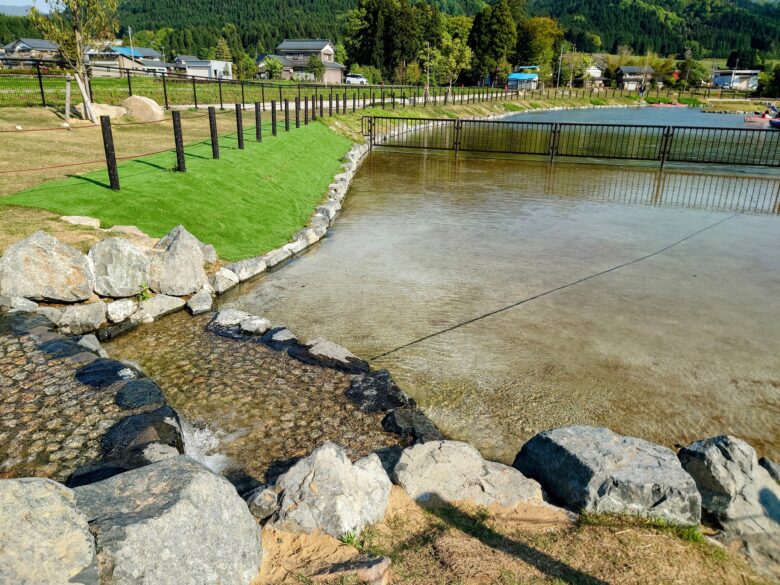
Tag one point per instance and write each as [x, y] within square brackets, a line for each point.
[526, 77]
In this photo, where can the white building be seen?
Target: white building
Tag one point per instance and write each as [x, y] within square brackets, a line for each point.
[206, 68]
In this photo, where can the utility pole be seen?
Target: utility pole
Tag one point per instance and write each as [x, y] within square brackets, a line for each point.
[560, 64]
[571, 77]
[733, 73]
[427, 70]
[130, 32]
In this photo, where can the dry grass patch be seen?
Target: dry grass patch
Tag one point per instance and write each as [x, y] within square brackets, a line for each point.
[19, 222]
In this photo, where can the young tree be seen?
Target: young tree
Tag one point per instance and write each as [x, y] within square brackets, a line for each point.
[316, 68]
[273, 68]
[246, 67]
[452, 57]
[222, 51]
[76, 25]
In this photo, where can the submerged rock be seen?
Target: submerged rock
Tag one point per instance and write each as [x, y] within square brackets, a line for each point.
[230, 318]
[161, 425]
[255, 325]
[324, 352]
[104, 372]
[411, 423]
[249, 268]
[121, 268]
[40, 267]
[177, 264]
[327, 492]
[201, 302]
[378, 392]
[139, 393]
[597, 470]
[440, 472]
[171, 523]
[157, 307]
[44, 538]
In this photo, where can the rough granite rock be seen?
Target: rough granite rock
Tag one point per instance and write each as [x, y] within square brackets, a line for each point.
[277, 256]
[255, 325]
[378, 392]
[158, 306]
[439, 472]
[161, 425]
[263, 502]
[171, 523]
[327, 492]
[92, 344]
[740, 495]
[296, 246]
[104, 372]
[309, 236]
[224, 280]
[326, 353]
[40, 267]
[80, 319]
[177, 264]
[53, 314]
[201, 302]
[209, 253]
[121, 268]
[249, 268]
[22, 304]
[120, 310]
[44, 538]
[143, 109]
[131, 458]
[597, 470]
[230, 317]
[411, 423]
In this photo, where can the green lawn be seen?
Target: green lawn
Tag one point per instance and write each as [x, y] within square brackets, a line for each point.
[245, 203]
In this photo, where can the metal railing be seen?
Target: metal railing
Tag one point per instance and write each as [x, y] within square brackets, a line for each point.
[680, 144]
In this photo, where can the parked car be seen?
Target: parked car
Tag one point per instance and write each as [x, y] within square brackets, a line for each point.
[355, 79]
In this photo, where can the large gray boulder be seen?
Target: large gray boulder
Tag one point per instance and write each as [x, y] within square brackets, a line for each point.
[121, 268]
[735, 489]
[326, 492]
[246, 269]
[177, 264]
[40, 267]
[157, 307]
[44, 538]
[201, 302]
[80, 319]
[442, 472]
[171, 522]
[596, 470]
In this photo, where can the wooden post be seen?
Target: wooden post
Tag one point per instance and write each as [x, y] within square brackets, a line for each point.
[40, 83]
[129, 83]
[305, 110]
[322, 109]
[165, 91]
[258, 122]
[286, 115]
[178, 140]
[219, 83]
[194, 92]
[273, 117]
[314, 107]
[108, 146]
[297, 112]
[330, 103]
[240, 127]
[213, 131]
[67, 98]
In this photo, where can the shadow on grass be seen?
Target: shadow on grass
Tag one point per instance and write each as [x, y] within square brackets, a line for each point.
[90, 180]
[475, 526]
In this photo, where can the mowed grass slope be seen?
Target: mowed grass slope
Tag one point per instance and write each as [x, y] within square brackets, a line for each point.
[246, 203]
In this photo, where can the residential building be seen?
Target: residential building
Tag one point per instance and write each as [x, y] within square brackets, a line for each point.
[526, 77]
[206, 68]
[739, 79]
[633, 77]
[594, 73]
[31, 49]
[113, 60]
[294, 54]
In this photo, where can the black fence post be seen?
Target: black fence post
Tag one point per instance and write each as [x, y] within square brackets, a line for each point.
[273, 117]
[213, 131]
[221, 104]
[322, 109]
[330, 103]
[178, 140]
[240, 126]
[262, 95]
[40, 83]
[194, 92]
[354, 105]
[286, 115]
[338, 104]
[297, 112]
[165, 91]
[258, 123]
[280, 94]
[129, 83]
[243, 98]
[344, 103]
[108, 146]
[305, 110]
[314, 107]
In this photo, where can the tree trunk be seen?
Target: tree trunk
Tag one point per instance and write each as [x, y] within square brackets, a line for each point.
[85, 97]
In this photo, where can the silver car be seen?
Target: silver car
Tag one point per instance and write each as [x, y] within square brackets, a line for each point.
[355, 79]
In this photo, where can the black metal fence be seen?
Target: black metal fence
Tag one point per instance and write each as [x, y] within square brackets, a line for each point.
[683, 144]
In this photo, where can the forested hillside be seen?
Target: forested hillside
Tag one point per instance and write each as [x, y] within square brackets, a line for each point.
[667, 26]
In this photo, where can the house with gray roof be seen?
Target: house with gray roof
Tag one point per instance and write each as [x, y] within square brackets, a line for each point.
[206, 68]
[25, 48]
[294, 54]
[632, 77]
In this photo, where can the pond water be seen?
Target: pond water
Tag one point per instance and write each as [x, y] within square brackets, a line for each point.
[647, 115]
[512, 296]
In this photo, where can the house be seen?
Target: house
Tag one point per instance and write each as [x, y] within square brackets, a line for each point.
[113, 60]
[526, 77]
[633, 77]
[594, 73]
[31, 49]
[206, 68]
[739, 79]
[295, 54]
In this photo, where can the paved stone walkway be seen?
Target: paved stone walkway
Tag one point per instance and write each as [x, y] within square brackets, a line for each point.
[50, 423]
